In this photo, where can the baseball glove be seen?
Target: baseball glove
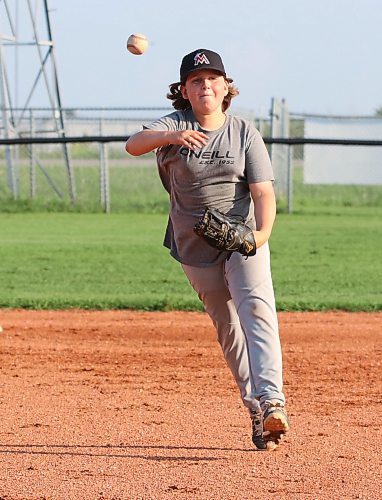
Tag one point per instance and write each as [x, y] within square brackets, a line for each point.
[226, 232]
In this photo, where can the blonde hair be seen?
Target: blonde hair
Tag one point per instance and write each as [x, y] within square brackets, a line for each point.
[180, 103]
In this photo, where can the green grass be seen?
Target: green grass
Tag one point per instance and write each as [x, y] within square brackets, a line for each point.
[55, 255]
[310, 198]
[136, 188]
[62, 260]
[328, 261]
[132, 189]
[88, 260]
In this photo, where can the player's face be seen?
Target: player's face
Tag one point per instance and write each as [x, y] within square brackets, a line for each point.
[205, 89]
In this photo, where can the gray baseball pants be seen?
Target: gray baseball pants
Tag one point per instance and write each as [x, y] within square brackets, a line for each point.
[238, 296]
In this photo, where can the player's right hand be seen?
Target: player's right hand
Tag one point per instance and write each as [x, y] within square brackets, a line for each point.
[191, 139]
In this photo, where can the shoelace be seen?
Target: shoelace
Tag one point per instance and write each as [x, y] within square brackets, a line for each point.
[268, 407]
[267, 404]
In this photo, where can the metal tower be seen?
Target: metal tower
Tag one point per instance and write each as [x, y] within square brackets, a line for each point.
[27, 55]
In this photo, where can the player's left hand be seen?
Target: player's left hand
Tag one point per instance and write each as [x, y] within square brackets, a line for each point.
[226, 232]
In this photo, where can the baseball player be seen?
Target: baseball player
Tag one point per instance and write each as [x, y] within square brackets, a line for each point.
[210, 159]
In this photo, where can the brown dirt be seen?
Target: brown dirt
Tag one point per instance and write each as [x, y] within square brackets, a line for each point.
[133, 405]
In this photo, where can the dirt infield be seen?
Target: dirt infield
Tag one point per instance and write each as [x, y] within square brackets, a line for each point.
[132, 405]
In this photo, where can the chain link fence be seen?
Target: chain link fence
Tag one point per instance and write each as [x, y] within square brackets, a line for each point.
[103, 177]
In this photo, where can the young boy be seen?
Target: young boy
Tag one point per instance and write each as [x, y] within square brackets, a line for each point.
[207, 158]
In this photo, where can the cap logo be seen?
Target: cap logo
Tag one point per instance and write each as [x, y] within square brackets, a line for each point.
[201, 58]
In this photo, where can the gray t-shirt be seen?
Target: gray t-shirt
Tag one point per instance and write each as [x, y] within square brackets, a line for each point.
[216, 176]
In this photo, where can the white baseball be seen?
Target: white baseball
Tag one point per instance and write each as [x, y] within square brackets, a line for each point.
[137, 44]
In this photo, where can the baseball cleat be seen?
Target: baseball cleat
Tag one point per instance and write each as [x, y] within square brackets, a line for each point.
[275, 420]
[257, 429]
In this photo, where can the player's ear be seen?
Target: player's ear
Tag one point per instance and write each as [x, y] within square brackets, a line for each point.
[226, 89]
[184, 91]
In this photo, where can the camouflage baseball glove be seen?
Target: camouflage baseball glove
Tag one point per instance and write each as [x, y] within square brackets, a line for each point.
[226, 232]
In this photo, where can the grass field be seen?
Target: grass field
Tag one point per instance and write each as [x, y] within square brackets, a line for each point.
[59, 260]
[56, 255]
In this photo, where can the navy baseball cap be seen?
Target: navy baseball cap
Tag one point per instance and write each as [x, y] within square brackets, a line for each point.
[200, 59]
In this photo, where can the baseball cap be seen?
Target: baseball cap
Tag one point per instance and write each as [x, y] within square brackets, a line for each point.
[200, 59]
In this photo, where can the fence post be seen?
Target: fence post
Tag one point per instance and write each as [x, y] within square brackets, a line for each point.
[290, 179]
[32, 159]
[104, 173]
[279, 152]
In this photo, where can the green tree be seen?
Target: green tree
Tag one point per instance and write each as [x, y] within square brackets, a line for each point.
[378, 112]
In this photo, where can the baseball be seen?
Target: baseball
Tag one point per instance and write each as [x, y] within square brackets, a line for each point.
[137, 44]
